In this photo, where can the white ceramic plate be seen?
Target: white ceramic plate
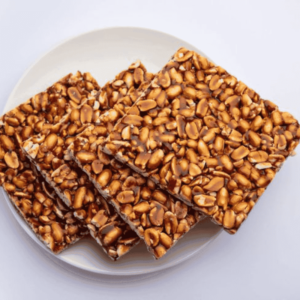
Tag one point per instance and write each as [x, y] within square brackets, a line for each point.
[105, 53]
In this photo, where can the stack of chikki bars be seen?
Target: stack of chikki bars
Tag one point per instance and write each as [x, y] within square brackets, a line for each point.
[144, 157]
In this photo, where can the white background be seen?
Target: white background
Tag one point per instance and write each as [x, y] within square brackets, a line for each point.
[258, 41]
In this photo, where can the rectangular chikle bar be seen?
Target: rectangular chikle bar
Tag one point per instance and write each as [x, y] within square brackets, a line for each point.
[206, 138]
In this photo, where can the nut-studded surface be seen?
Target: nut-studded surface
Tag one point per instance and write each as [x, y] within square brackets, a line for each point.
[206, 138]
[155, 215]
[119, 95]
[48, 150]
[41, 209]
[105, 225]
[53, 223]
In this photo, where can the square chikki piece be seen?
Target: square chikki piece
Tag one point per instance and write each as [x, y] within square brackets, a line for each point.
[52, 222]
[206, 138]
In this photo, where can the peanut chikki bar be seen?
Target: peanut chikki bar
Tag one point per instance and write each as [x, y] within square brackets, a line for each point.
[154, 215]
[206, 138]
[48, 151]
[29, 193]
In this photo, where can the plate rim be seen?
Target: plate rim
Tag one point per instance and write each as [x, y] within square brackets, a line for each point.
[58, 44]
[13, 209]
